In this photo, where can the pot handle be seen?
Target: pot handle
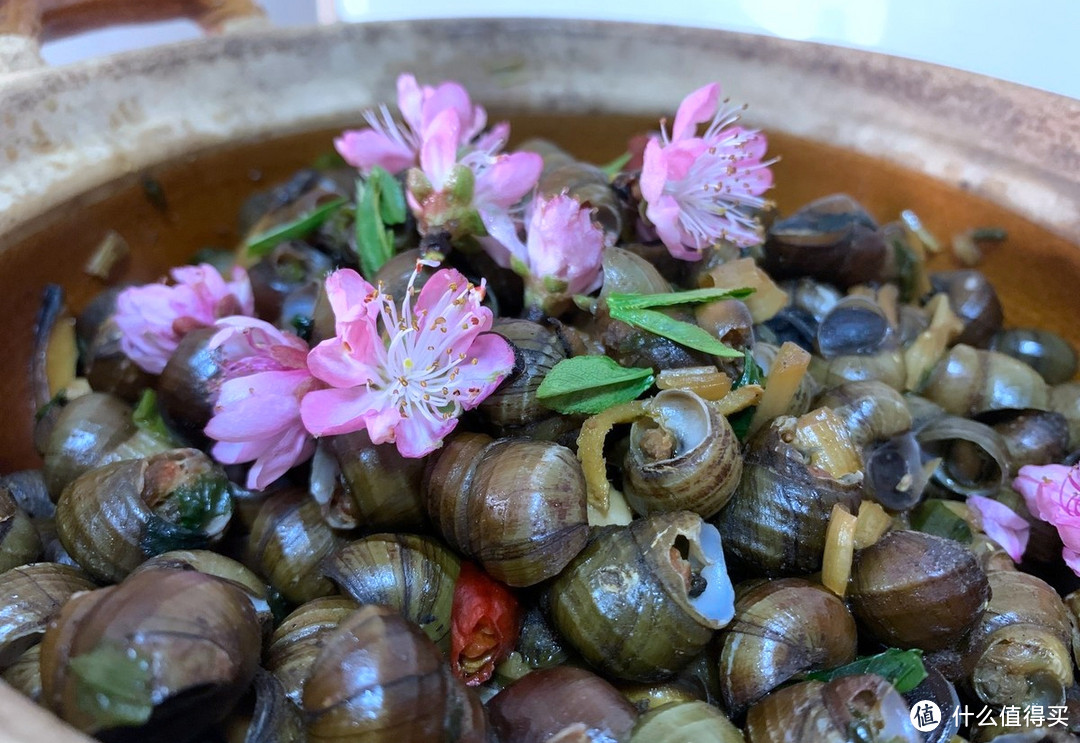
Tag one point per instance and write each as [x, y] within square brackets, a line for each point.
[24, 24]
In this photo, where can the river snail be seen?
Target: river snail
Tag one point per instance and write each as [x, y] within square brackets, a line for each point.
[683, 456]
[777, 519]
[112, 518]
[516, 506]
[296, 642]
[862, 708]
[561, 701]
[379, 678]
[911, 589]
[30, 596]
[537, 349]
[641, 601]
[781, 628]
[413, 574]
[186, 644]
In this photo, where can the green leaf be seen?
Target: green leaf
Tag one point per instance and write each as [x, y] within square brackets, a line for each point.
[374, 241]
[683, 333]
[191, 508]
[261, 244]
[591, 384]
[751, 373]
[935, 517]
[902, 668]
[391, 196]
[990, 234]
[670, 299]
[147, 417]
[614, 167]
[113, 685]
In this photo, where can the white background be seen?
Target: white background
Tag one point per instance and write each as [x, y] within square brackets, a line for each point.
[1034, 42]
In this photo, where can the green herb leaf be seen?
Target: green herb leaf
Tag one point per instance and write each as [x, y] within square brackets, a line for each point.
[990, 234]
[261, 244]
[751, 372]
[379, 201]
[683, 333]
[614, 167]
[113, 686]
[391, 196]
[670, 299]
[147, 417]
[191, 508]
[933, 516]
[902, 668]
[591, 384]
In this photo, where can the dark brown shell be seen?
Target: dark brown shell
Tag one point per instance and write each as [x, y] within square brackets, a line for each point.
[378, 678]
[916, 590]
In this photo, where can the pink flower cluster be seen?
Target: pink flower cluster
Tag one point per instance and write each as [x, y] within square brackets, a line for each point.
[405, 374]
[1052, 493]
[153, 318]
[701, 190]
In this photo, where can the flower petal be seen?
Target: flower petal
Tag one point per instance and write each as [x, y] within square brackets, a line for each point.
[366, 148]
[508, 179]
[438, 153]
[333, 411]
[696, 108]
[282, 455]
[1002, 525]
[410, 101]
[341, 364]
[252, 417]
[490, 359]
[419, 435]
[351, 297]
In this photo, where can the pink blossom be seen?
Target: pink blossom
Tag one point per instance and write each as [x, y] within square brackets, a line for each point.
[153, 318]
[472, 193]
[1002, 524]
[404, 375]
[257, 413]
[562, 255]
[1052, 493]
[699, 190]
[395, 146]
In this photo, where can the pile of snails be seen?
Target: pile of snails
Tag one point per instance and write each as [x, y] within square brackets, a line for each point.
[146, 595]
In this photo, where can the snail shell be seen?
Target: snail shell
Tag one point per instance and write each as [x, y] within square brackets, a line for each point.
[30, 596]
[516, 506]
[288, 542]
[642, 600]
[194, 637]
[916, 590]
[19, 540]
[1018, 652]
[684, 457]
[862, 708]
[775, 523]
[536, 351]
[682, 721]
[562, 700]
[114, 517]
[781, 628]
[412, 574]
[1043, 350]
[969, 381]
[378, 678]
[298, 639]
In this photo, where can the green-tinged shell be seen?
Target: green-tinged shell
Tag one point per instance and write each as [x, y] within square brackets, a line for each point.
[536, 352]
[683, 457]
[413, 574]
[781, 628]
[112, 518]
[641, 601]
[1019, 651]
[775, 523]
[288, 542]
[680, 722]
[226, 568]
[969, 381]
[516, 506]
[298, 639]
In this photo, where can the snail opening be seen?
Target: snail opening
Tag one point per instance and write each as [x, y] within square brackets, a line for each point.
[699, 561]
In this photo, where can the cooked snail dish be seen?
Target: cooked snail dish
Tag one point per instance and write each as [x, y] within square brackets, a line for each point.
[488, 444]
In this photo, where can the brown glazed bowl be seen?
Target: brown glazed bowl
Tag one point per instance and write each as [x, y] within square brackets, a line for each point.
[208, 122]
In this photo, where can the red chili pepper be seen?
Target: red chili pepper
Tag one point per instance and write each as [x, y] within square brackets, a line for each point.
[484, 625]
